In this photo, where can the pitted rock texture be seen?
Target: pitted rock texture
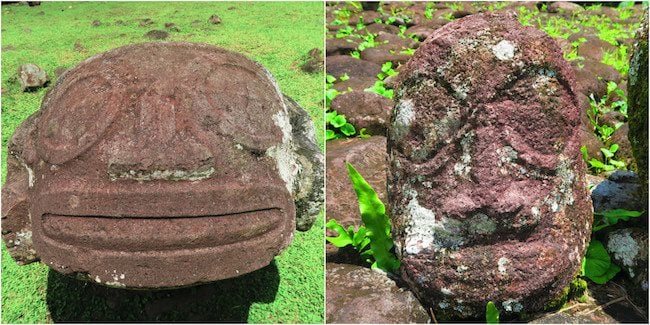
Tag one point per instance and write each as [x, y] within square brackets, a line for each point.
[159, 165]
[638, 103]
[486, 182]
[359, 295]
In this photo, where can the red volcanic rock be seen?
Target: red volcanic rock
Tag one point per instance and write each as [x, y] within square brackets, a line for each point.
[157, 165]
[486, 180]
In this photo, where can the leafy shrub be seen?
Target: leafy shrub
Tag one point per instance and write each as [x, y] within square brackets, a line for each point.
[338, 126]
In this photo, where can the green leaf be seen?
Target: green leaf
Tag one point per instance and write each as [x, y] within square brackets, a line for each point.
[373, 215]
[617, 163]
[613, 148]
[343, 239]
[330, 135]
[338, 121]
[348, 129]
[491, 313]
[329, 116]
[330, 79]
[607, 153]
[613, 216]
[598, 265]
[585, 155]
[611, 86]
[344, 77]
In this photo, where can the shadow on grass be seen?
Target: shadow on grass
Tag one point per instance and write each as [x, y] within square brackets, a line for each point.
[72, 300]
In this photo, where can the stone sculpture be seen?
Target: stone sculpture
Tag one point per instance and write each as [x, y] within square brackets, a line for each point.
[161, 165]
[486, 182]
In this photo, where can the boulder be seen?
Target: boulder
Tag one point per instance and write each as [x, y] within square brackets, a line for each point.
[368, 156]
[160, 165]
[486, 179]
[358, 295]
[619, 190]
[341, 46]
[381, 55]
[364, 110]
[31, 77]
[638, 103]
[338, 65]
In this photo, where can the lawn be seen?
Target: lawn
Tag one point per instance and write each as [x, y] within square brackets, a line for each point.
[59, 35]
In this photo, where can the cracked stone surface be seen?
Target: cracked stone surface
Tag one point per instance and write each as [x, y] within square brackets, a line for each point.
[486, 182]
[161, 165]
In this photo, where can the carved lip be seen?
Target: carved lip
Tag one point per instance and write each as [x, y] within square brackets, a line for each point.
[160, 233]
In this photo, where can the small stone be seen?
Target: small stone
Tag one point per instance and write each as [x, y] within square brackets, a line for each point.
[96, 23]
[146, 22]
[214, 19]
[31, 77]
[172, 27]
[157, 34]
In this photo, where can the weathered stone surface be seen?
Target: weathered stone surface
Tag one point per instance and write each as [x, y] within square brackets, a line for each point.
[337, 65]
[359, 295]
[620, 190]
[638, 103]
[486, 180]
[381, 55]
[564, 7]
[368, 156]
[628, 248]
[364, 110]
[158, 165]
[31, 76]
[308, 189]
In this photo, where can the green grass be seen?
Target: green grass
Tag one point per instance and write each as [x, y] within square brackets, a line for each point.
[278, 35]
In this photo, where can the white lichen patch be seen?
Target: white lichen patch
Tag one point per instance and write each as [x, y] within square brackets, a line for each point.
[504, 50]
[443, 305]
[420, 226]
[462, 268]
[404, 115]
[171, 175]
[284, 153]
[512, 305]
[23, 237]
[463, 167]
[624, 248]
[97, 279]
[502, 265]
[30, 174]
[446, 291]
[239, 146]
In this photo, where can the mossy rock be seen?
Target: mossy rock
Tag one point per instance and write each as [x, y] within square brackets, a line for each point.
[638, 104]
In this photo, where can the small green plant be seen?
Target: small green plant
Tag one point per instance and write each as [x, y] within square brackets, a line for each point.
[491, 313]
[618, 58]
[428, 11]
[597, 265]
[355, 54]
[455, 6]
[337, 126]
[372, 239]
[612, 217]
[610, 163]
[572, 55]
[600, 107]
[387, 71]
[526, 16]
[408, 51]
[330, 92]
[380, 89]
[448, 16]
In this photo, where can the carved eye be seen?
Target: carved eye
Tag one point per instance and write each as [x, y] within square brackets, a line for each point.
[75, 115]
[241, 105]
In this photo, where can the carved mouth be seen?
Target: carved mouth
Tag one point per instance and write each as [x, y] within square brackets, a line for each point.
[160, 233]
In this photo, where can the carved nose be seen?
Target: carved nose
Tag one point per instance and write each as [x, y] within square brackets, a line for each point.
[160, 146]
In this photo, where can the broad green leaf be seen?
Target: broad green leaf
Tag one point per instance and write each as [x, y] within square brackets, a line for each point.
[348, 129]
[585, 155]
[598, 265]
[613, 148]
[373, 215]
[607, 153]
[338, 121]
[329, 116]
[613, 216]
[330, 135]
[617, 163]
[611, 86]
[491, 313]
[343, 239]
[330, 79]
[344, 77]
